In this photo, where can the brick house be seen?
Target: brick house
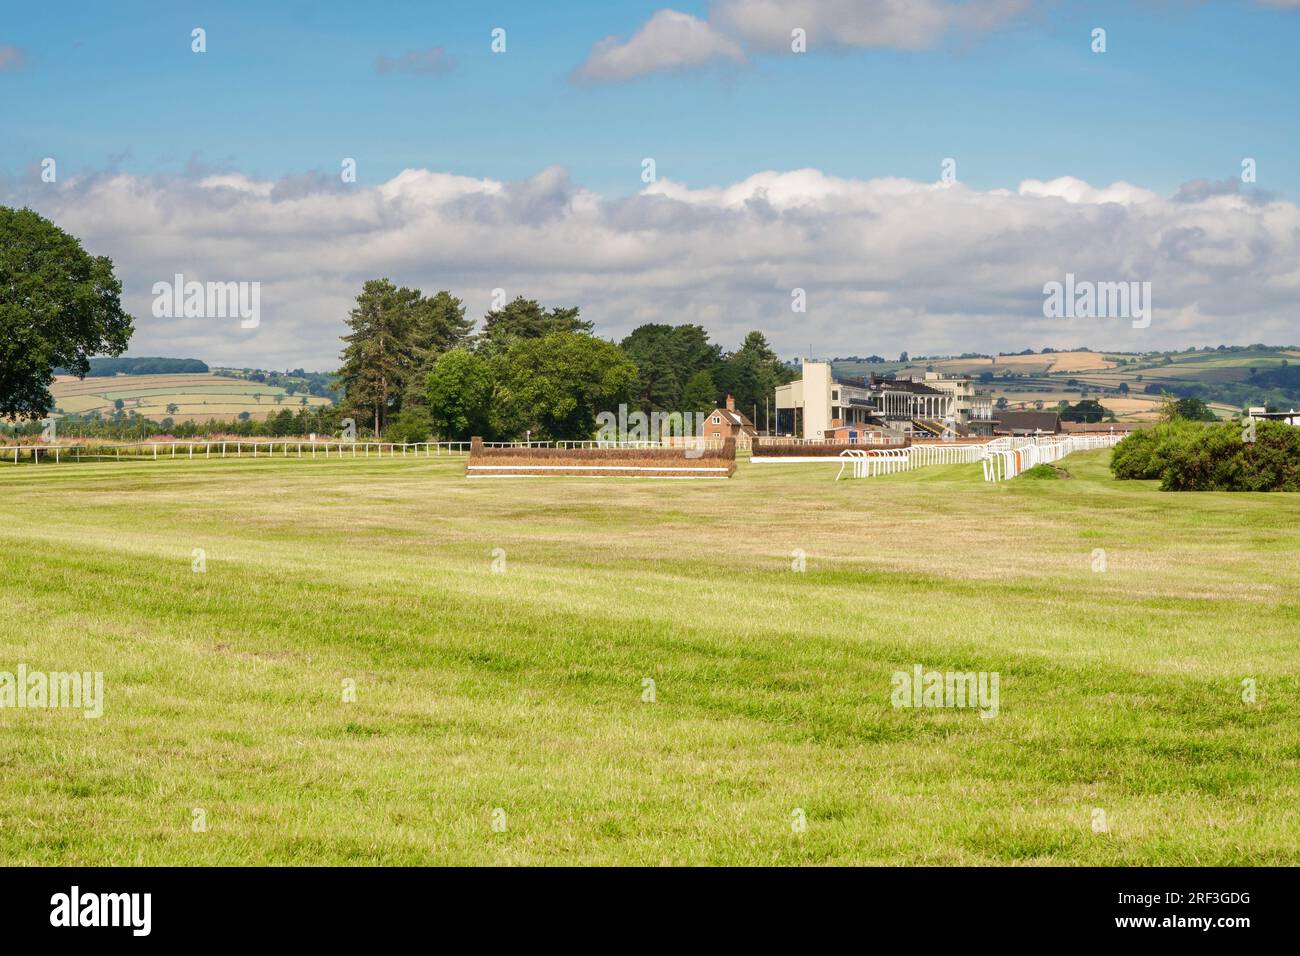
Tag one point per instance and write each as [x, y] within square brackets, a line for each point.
[728, 423]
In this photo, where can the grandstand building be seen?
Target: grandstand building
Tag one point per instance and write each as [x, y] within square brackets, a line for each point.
[820, 406]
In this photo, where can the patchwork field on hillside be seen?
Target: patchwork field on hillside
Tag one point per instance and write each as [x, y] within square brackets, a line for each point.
[197, 397]
[624, 671]
[1026, 364]
[1227, 381]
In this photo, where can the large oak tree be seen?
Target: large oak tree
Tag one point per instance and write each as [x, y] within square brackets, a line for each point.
[59, 306]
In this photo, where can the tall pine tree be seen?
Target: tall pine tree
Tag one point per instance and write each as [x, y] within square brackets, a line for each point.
[380, 355]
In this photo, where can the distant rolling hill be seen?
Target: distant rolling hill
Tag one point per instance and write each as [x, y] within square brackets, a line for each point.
[197, 397]
[1227, 380]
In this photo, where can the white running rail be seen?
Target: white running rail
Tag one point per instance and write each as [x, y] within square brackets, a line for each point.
[1001, 464]
[1001, 458]
[230, 448]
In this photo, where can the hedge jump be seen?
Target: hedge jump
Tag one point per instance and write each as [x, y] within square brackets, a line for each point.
[601, 462]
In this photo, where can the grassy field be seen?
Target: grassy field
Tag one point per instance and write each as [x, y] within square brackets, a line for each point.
[197, 396]
[522, 688]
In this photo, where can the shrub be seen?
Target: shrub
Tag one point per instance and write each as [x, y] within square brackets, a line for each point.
[410, 425]
[1200, 456]
[1044, 472]
[1217, 459]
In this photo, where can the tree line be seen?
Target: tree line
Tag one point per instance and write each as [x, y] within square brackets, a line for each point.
[413, 368]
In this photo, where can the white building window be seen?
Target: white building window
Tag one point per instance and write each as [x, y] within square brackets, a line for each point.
[717, 420]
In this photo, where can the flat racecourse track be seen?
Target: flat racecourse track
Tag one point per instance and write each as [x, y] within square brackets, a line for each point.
[502, 638]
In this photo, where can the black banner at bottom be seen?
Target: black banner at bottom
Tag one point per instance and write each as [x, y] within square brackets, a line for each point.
[337, 905]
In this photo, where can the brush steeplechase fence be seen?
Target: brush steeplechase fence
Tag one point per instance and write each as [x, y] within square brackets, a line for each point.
[791, 451]
[635, 460]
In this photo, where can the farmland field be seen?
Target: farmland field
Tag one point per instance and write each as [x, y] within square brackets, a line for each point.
[197, 396]
[1215, 376]
[500, 635]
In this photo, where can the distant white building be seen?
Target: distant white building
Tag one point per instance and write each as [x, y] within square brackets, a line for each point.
[1291, 418]
[821, 406]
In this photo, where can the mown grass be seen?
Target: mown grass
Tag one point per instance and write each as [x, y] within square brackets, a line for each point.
[523, 690]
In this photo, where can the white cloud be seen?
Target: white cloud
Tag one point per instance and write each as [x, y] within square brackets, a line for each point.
[887, 264]
[671, 40]
[238, 182]
[907, 24]
[1077, 191]
[668, 41]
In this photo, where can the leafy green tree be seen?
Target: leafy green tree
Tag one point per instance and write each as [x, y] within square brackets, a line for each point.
[659, 383]
[280, 424]
[380, 353]
[751, 374]
[460, 390]
[411, 424]
[556, 385]
[438, 326]
[1193, 409]
[1084, 411]
[700, 394]
[58, 307]
[667, 357]
[526, 319]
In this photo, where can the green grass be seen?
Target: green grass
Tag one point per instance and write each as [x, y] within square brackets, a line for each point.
[1044, 472]
[1120, 690]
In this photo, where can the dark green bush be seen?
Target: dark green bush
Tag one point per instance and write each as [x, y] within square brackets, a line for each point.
[1134, 457]
[1219, 460]
[1143, 455]
[1200, 456]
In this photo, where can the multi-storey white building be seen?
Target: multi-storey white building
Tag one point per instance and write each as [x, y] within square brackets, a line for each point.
[820, 406]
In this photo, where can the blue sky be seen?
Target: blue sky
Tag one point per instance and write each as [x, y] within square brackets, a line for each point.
[776, 171]
[1184, 91]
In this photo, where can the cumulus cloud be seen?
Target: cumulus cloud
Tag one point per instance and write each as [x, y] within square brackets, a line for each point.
[430, 62]
[887, 264]
[901, 24]
[668, 41]
[11, 57]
